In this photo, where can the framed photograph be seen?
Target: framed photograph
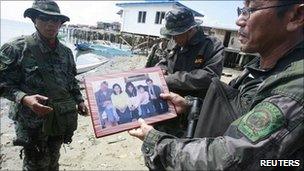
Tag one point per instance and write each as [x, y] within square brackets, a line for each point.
[117, 100]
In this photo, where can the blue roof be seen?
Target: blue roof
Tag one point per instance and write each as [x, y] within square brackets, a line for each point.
[195, 13]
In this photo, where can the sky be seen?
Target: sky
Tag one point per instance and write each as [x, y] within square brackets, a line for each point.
[217, 13]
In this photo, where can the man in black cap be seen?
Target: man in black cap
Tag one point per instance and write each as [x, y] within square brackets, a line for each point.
[195, 59]
[191, 64]
[39, 73]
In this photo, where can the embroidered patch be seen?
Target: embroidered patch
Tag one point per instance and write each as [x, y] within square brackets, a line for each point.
[261, 121]
[199, 59]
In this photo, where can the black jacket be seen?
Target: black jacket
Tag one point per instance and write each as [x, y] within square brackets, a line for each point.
[191, 68]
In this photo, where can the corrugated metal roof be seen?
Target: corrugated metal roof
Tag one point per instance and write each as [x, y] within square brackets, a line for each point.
[197, 14]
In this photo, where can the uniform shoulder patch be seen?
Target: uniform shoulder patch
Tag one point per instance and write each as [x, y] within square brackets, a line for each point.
[199, 59]
[261, 121]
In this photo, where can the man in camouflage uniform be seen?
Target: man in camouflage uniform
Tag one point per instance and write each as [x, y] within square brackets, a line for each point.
[39, 73]
[195, 59]
[159, 51]
[270, 102]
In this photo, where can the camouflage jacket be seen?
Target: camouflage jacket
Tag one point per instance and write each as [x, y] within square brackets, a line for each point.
[191, 68]
[272, 128]
[19, 69]
[156, 55]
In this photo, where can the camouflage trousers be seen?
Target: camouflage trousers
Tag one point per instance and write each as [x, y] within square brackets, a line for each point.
[40, 152]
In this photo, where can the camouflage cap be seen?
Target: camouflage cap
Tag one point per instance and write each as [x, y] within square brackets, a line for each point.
[178, 21]
[48, 7]
[164, 36]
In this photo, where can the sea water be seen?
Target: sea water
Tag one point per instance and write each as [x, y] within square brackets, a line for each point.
[11, 29]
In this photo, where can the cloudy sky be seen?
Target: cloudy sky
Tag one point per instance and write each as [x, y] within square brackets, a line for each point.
[217, 13]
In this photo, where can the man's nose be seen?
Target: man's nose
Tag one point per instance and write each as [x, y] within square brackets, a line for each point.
[240, 21]
[51, 23]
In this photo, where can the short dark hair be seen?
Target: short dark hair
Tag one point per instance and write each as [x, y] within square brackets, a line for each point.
[117, 85]
[134, 92]
[282, 10]
[104, 82]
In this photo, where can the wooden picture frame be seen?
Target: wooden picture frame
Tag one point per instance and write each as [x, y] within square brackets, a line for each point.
[117, 100]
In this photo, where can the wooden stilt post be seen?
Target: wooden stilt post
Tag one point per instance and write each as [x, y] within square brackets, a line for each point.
[119, 41]
[147, 50]
[125, 41]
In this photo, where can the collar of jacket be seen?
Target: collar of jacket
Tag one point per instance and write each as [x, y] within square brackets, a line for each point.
[43, 45]
[197, 38]
[292, 55]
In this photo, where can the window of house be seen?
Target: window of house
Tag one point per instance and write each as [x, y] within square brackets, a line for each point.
[141, 17]
[160, 15]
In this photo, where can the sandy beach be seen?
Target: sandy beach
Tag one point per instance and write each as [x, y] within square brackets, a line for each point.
[115, 152]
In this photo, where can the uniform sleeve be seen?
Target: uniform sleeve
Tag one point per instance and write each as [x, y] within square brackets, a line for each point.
[163, 63]
[10, 74]
[74, 87]
[273, 129]
[171, 50]
[2, 84]
[199, 78]
[151, 59]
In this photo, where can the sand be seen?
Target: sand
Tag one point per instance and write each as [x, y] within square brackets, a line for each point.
[86, 152]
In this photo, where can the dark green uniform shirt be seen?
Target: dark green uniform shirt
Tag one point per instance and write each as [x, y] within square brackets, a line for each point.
[271, 126]
[191, 68]
[20, 70]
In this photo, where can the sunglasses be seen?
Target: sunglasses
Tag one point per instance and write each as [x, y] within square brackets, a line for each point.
[46, 18]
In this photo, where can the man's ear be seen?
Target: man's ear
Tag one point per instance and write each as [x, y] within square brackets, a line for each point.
[296, 18]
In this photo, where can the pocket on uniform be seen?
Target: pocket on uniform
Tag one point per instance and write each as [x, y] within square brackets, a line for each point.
[31, 75]
[65, 106]
[61, 72]
[61, 65]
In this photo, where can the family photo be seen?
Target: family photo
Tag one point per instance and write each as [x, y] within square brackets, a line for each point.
[123, 99]
[152, 85]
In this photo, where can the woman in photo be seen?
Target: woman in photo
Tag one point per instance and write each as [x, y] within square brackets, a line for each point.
[145, 104]
[133, 99]
[120, 101]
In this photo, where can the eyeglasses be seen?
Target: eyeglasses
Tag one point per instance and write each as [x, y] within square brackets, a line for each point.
[246, 11]
[46, 18]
